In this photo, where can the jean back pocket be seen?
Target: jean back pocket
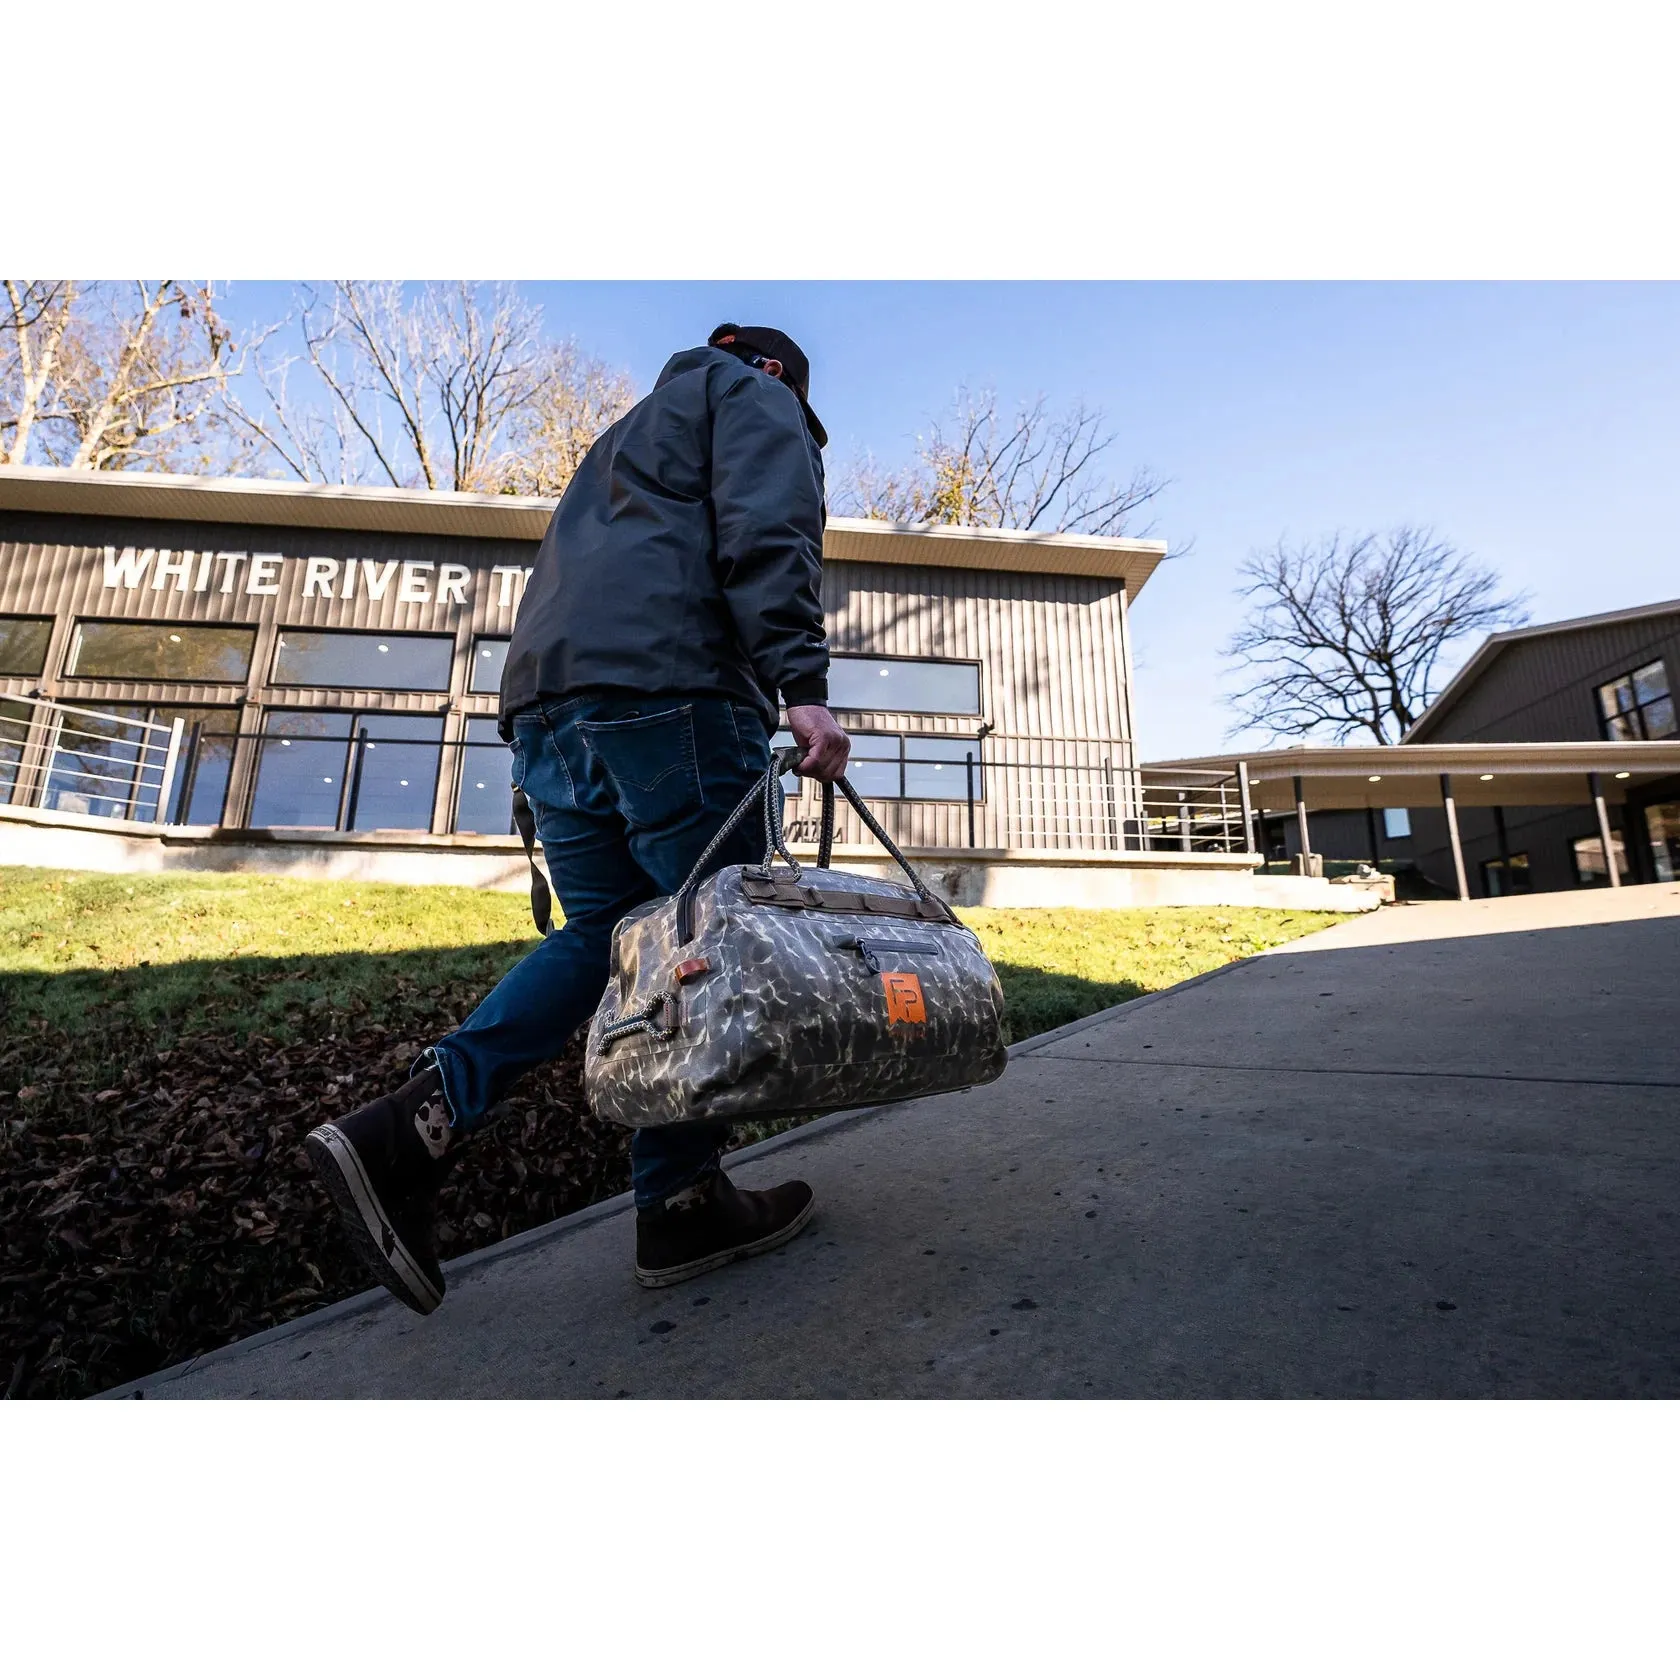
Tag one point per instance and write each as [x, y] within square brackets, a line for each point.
[650, 762]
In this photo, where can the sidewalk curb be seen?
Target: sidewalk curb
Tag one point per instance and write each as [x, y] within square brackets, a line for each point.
[540, 1235]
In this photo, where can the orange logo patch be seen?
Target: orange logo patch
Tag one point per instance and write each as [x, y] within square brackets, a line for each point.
[904, 998]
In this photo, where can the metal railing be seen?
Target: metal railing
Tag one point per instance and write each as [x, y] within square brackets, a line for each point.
[1048, 795]
[87, 762]
[989, 793]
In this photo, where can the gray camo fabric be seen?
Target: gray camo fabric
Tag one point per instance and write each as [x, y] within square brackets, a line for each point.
[791, 1016]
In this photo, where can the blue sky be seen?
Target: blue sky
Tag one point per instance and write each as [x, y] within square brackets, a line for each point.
[1535, 425]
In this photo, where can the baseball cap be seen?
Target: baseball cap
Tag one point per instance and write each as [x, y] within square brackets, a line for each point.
[796, 366]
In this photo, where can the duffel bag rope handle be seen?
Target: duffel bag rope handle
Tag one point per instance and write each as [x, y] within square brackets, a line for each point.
[782, 760]
[646, 1020]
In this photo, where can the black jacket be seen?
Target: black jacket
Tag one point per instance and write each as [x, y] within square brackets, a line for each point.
[686, 555]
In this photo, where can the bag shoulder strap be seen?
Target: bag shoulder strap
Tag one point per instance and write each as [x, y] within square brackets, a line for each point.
[542, 901]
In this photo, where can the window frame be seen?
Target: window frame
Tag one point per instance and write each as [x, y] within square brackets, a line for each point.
[73, 648]
[905, 765]
[465, 747]
[1618, 850]
[1490, 867]
[1603, 693]
[46, 644]
[865, 656]
[275, 680]
[478, 642]
[265, 733]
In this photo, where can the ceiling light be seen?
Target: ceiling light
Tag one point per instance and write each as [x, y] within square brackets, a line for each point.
[327, 779]
[402, 784]
[478, 785]
[174, 638]
[1373, 778]
[1622, 775]
[884, 671]
[285, 743]
[1487, 778]
[383, 648]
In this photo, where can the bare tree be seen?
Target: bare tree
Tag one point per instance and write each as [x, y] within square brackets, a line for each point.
[106, 376]
[455, 390]
[1038, 470]
[1345, 635]
[577, 398]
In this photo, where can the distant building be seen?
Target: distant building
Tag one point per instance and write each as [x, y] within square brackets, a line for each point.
[1610, 678]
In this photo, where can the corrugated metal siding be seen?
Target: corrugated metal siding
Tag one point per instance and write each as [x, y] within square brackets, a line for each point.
[1051, 648]
[1543, 689]
[1052, 684]
[55, 565]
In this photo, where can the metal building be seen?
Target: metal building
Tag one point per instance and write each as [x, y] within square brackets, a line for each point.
[244, 655]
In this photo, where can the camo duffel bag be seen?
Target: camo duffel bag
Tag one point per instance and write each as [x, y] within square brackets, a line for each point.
[768, 991]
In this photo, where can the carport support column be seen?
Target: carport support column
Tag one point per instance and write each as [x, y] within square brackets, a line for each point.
[1452, 834]
[1301, 823]
[1599, 806]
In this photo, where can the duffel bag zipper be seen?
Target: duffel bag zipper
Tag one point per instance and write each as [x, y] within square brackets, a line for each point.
[871, 949]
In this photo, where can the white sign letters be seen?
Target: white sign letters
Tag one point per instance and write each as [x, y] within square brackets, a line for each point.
[201, 572]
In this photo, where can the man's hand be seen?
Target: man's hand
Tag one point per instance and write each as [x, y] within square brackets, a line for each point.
[825, 744]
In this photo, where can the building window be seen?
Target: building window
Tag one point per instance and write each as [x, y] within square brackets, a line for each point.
[1588, 854]
[861, 683]
[935, 767]
[489, 655]
[201, 774]
[485, 802]
[188, 653]
[875, 768]
[362, 659]
[1397, 823]
[23, 646]
[1638, 707]
[1662, 827]
[906, 766]
[1498, 882]
[14, 736]
[308, 777]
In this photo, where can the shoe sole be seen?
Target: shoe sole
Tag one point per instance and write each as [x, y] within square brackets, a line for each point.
[667, 1275]
[371, 1234]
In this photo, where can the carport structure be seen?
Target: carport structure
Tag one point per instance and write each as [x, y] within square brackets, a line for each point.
[1492, 775]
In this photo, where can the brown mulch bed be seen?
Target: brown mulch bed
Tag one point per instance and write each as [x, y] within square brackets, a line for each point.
[171, 1210]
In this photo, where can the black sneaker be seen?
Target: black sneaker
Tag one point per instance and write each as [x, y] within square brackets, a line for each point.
[382, 1166]
[711, 1223]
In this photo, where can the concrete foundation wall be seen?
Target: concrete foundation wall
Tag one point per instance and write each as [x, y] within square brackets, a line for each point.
[996, 880]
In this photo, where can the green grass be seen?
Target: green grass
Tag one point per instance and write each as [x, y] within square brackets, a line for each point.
[237, 952]
[1057, 965]
[248, 953]
[171, 1039]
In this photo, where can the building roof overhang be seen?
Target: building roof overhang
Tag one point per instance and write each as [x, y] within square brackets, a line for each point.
[449, 513]
[1509, 773]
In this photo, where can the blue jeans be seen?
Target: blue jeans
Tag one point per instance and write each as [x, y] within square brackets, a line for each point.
[626, 795]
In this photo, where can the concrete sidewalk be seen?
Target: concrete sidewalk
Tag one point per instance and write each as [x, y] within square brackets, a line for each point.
[1434, 1151]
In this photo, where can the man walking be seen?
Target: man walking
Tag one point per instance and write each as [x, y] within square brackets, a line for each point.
[675, 596]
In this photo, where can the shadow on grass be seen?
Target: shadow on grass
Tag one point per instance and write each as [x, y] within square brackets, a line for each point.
[1039, 999]
[155, 1200]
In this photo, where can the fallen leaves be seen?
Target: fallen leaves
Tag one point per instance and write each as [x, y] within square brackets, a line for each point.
[174, 1211]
